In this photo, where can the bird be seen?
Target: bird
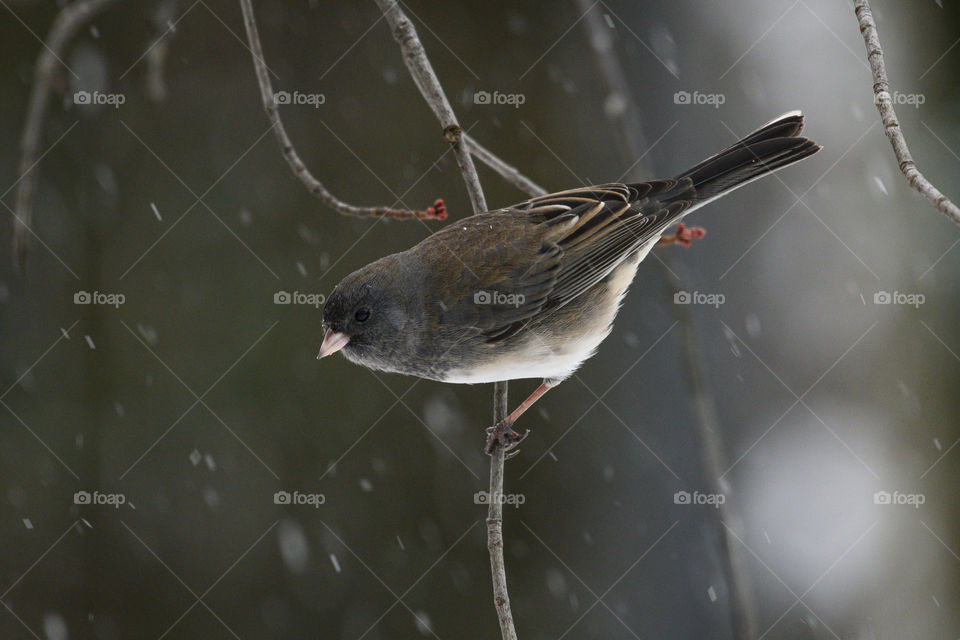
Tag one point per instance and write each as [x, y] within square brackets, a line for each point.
[532, 290]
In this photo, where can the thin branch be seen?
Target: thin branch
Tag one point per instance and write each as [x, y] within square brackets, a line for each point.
[426, 80]
[314, 186]
[498, 570]
[506, 171]
[628, 119]
[891, 124]
[65, 26]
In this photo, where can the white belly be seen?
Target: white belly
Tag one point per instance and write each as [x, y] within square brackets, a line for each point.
[535, 359]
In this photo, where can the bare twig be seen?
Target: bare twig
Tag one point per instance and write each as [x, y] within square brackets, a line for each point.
[426, 80]
[506, 171]
[65, 26]
[498, 570]
[891, 124]
[627, 118]
[299, 169]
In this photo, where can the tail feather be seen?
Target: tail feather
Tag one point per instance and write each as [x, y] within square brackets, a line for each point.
[769, 148]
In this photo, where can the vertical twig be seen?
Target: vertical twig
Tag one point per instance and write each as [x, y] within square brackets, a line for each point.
[891, 124]
[65, 26]
[426, 80]
[498, 571]
[629, 122]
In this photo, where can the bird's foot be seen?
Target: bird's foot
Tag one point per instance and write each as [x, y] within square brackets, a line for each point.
[683, 236]
[503, 435]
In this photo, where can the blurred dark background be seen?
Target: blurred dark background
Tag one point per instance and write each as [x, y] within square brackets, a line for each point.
[198, 399]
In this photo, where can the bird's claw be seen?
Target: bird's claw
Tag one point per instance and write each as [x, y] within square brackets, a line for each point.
[503, 435]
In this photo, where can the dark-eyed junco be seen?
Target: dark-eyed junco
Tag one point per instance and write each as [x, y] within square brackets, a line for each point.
[531, 290]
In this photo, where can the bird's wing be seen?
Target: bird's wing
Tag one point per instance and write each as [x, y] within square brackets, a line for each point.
[492, 270]
[613, 221]
[563, 244]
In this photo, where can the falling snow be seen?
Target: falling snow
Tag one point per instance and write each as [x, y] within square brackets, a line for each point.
[293, 546]
[149, 333]
[54, 626]
[877, 180]
[424, 626]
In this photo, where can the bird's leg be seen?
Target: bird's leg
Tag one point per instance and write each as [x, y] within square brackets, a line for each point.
[683, 236]
[502, 433]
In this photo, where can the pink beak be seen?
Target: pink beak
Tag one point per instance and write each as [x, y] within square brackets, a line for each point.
[333, 341]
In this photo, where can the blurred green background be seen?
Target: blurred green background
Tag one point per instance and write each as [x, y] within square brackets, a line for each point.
[198, 399]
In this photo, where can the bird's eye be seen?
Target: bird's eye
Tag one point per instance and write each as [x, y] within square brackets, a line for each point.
[362, 314]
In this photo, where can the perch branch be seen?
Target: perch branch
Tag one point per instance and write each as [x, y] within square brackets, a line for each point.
[426, 80]
[891, 124]
[628, 118]
[498, 570]
[65, 26]
[506, 171]
[314, 186]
